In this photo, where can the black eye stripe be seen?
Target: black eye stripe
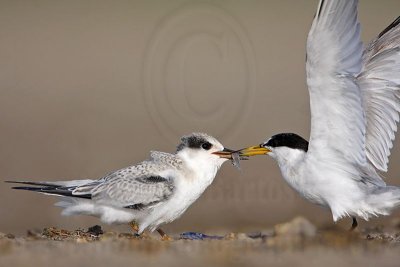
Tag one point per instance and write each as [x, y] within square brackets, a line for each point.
[193, 141]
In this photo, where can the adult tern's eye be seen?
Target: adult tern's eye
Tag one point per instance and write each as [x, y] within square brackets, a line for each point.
[206, 146]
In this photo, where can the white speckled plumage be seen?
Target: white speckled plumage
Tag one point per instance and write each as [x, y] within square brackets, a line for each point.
[151, 193]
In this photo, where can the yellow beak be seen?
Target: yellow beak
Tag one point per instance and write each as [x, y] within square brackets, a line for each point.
[253, 151]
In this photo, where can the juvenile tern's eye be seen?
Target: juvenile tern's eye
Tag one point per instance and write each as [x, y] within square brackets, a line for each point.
[206, 146]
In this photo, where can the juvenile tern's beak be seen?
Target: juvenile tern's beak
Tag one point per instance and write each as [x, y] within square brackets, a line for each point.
[253, 151]
[225, 153]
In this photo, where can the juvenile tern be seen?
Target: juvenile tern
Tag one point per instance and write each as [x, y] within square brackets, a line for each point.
[146, 195]
[354, 100]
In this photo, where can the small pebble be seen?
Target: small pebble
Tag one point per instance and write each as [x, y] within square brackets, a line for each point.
[95, 230]
[299, 226]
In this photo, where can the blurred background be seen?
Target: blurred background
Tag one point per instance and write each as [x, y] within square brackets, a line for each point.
[87, 87]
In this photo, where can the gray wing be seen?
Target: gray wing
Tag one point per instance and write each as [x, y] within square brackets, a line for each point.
[120, 191]
[129, 191]
[136, 187]
[380, 85]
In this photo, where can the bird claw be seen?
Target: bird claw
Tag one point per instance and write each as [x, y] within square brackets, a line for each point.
[134, 226]
[166, 238]
[353, 225]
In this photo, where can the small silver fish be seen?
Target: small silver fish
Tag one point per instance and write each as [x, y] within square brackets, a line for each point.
[236, 160]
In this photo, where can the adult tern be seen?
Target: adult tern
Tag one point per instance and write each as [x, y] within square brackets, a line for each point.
[354, 100]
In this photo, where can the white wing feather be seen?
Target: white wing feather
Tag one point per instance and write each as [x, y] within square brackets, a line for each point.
[380, 85]
[334, 53]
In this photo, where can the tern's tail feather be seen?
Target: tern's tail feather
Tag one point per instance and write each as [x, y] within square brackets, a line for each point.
[383, 199]
[60, 188]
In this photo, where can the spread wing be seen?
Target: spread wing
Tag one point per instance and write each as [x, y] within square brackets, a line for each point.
[334, 53]
[380, 84]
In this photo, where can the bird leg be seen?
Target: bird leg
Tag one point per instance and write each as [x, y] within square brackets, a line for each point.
[134, 226]
[354, 224]
[164, 236]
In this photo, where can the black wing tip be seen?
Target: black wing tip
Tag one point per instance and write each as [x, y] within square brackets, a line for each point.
[30, 183]
[21, 182]
[53, 190]
[26, 188]
[392, 25]
[320, 8]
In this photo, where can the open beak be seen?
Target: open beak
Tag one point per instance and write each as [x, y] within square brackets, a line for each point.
[226, 153]
[253, 151]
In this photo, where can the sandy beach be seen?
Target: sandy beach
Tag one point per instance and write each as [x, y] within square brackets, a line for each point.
[296, 242]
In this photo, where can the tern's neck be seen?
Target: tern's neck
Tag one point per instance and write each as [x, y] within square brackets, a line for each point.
[291, 163]
[201, 169]
[288, 158]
